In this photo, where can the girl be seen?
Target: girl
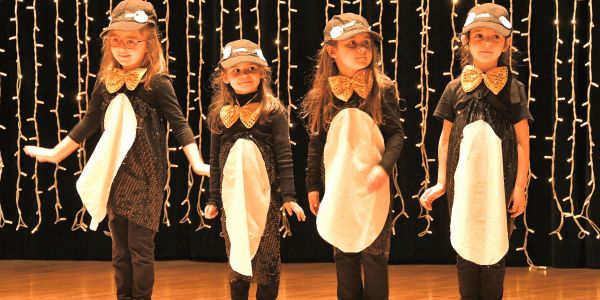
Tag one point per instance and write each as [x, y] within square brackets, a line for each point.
[126, 174]
[356, 132]
[251, 168]
[483, 153]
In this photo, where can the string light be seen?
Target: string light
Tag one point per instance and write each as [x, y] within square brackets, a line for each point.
[78, 222]
[189, 108]
[190, 175]
[395, 42]
[59, 96]
[584, 214]
[513, 48]
[379, 24]
[202, 224]
[423, 105]
[3, 220]
[257, 27]
[398, 192]
[290, 66]
[240, 23]
[564, 213]
[327, 6]
[360, 6]
[574, 124]
[170, 165]
[36, 103]
[454, 42]
[21, 137]
[277, 45]
[220, 28]
[531, 175]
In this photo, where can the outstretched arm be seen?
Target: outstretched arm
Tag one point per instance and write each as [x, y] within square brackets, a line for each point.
[53, 155]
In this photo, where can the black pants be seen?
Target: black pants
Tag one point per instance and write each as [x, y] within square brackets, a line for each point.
[239, 290]
[132, 258]
[480, 282]
[349, 281]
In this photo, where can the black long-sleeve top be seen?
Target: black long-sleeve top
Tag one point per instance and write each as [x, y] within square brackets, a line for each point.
[137, 189]
[391, 129]
[274, 133]
[161, 96]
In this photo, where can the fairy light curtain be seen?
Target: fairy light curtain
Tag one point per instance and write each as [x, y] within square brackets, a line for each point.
[50, 52]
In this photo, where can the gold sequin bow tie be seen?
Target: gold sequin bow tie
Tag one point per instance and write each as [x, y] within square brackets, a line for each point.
[343, 87]
[494, 79]
[248, 113]
[115, 78]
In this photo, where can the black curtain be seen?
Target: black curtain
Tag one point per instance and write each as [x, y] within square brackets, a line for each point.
[182, 241]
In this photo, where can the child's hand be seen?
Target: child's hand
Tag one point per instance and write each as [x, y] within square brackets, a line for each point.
[40, 154]
[201, 169]
[313, 201]
[210, 211]
[292, 206]
[431, 194]
[517, 202]
[376, 178]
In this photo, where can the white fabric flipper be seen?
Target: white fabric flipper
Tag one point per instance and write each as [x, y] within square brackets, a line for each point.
[478, 228]
[350, 218]
[96, 179]
[246, 194]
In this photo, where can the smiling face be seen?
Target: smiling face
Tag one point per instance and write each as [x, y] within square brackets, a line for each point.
[486, 45]
[128, 48]
[353, 54]
[244, 77]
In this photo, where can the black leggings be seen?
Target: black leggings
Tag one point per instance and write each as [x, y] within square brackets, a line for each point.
[239, 290]
[132, 258]
[349, 280]
[480, 282]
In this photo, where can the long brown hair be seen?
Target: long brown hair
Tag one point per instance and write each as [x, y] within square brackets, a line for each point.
[154, 59]
[223, 94]
[317, 105]
[467, 59]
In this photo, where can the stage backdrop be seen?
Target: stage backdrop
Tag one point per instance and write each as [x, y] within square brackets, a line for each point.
[50, 52]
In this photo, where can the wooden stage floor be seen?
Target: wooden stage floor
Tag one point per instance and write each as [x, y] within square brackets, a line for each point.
[22, 279]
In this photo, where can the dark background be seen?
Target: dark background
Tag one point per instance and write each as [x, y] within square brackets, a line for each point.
[181, 241]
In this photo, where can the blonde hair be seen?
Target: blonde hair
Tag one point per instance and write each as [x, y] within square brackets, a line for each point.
[223, 94]
[154, 58]
[317, 105]
[467, 59]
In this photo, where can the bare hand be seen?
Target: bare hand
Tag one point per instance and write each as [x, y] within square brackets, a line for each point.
[210, 211]
[201, 169]
[293, 207]
[376, 178]
[40, 154]
[517, 203]
[431, 194]
[313, 201]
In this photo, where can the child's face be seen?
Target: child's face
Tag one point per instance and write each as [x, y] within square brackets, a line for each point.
[243, 77]
[128, 48]
[353, 54]
[486, 45]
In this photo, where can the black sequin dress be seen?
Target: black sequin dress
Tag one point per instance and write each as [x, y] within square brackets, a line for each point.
[271, 136]
[500, 111]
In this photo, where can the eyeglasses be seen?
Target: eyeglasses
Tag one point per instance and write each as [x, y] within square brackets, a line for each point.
[126, 43]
